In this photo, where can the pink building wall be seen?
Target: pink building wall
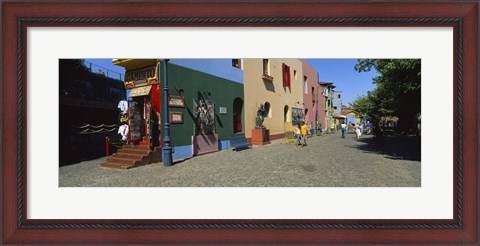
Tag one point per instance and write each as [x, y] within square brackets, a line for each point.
[309, 97]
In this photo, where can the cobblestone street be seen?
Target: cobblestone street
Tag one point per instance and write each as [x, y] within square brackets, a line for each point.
[327, 161]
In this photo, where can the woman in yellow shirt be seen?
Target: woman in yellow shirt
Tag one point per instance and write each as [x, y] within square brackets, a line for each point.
[304, 131]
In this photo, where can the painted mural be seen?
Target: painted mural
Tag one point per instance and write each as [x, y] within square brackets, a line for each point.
[204, 112]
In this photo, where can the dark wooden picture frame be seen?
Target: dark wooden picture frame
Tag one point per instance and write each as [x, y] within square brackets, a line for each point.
[173, 121]
[176, 105]
[18, 16]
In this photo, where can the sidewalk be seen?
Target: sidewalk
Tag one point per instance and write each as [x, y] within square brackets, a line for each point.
[327, 161]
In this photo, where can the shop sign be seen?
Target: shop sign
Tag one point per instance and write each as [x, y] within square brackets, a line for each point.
[145, 75]
[176, 101]
[176, 117]
[222, 110]
[140, 91]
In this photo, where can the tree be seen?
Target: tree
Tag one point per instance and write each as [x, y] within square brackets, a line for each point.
[398, 91]
[362, 104]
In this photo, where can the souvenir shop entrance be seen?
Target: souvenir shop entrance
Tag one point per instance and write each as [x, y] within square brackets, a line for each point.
[144, 145]
[144, 117]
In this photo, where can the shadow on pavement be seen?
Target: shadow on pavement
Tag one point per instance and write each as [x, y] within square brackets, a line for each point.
[181, 160]
[394, 147]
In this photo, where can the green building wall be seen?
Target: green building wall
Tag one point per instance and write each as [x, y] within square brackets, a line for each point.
[192, 84]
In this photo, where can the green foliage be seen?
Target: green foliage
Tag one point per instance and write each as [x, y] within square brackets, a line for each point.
[398, 91]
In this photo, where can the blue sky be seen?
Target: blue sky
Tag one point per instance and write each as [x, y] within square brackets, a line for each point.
[339, 71]
[106, 63]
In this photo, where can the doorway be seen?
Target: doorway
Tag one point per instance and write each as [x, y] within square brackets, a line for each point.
[237, 115]
[285, 114]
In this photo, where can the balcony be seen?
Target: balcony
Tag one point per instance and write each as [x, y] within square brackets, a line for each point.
[267, 77]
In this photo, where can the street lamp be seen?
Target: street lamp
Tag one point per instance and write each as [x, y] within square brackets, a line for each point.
[167, 142]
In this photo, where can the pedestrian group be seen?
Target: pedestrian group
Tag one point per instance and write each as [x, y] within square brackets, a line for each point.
[301, 132]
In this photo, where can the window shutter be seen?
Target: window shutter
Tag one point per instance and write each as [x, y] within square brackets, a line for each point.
[288, 77]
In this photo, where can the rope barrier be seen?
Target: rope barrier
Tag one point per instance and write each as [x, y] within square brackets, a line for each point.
[96, 129]
[88, 131]
[99, 126]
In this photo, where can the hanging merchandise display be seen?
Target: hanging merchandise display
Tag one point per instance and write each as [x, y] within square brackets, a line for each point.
[123, 115]
[123, 130]
[123, 106]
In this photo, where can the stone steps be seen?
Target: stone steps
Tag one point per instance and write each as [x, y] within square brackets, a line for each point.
[130, 156]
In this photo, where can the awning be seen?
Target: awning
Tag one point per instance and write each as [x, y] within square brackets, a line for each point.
[340, 116]
[140, 91]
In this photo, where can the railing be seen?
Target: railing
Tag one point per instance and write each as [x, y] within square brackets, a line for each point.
[94, 68]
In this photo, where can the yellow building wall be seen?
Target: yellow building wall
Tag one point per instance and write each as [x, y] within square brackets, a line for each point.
[357, 118]
[259, 91]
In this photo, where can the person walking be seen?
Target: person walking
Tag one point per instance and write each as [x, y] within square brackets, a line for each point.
[304, 131]
[319, 129]
[297, 134]
[358, 132]
[369, 127]
[344, 129]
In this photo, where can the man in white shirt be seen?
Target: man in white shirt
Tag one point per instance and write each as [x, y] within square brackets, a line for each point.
[344, 129]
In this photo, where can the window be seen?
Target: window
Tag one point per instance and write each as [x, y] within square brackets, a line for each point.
[286, 114]
[236, 63]
[286, 75]
[305, 87]
[339, 96]
[295, 74]
[334, 107]
[266, 70]
[313, 95]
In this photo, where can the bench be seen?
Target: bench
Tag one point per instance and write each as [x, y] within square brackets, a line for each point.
[239, 143]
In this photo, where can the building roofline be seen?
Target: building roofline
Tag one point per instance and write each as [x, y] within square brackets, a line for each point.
[325, 83]
[348, 111]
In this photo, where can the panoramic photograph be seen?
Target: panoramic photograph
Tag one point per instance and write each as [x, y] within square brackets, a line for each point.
[247, 122]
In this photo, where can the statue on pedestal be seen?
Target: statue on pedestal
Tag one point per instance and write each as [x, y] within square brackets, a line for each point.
[260, 117]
